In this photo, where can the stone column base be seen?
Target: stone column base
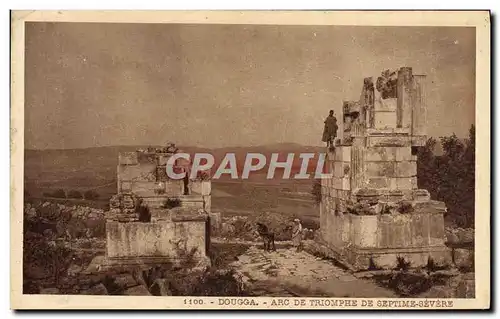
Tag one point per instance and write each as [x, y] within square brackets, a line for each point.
[361, 259]
[392, 258]
[126, 263]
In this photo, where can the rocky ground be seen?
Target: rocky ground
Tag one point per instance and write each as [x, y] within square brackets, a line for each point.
[90, 278]
[286, 272]
[64, 247]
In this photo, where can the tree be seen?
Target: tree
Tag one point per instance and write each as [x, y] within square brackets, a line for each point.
[316, 191]
[91, 195]
[469, 177]
[451, 177]
[60, 193]
[75, 194]
[426, 166]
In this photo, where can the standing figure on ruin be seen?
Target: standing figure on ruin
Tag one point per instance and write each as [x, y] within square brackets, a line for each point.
[330, 130]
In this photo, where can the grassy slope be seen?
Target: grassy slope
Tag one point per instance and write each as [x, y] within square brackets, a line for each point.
[95, 168]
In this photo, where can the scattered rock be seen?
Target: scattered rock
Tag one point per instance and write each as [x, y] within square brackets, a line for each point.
[95, 265]
[463, 258]
[137, 291]
[138, 275]
[439, 292]
[347, 277]
[452, 238]
[48, 233]
[36, 272]
[228, 229]
[49, 291]
[98, 289]
[466, 289]
[73, 270]
[30, 213]
[469, 276]
[161, 287]
[465, 235]
[125, 281]
[85, 282]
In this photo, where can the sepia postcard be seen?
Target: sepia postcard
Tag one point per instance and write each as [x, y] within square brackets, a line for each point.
[250, 160]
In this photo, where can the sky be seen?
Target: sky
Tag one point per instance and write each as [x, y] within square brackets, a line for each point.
[102, 84]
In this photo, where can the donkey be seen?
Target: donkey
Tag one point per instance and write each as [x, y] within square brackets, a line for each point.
[267, 236]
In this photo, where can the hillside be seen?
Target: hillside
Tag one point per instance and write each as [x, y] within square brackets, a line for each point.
[89, 168]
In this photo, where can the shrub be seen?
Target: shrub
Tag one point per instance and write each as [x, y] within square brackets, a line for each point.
[77, 228]
[74, 194]
[53, 258]
[160, 191]
[405, 208]
[409, 284]
[91, 195]
[172, 203]
[144, 214]
[60, 193]
[402, 264]
[218, 283]
[49, 211]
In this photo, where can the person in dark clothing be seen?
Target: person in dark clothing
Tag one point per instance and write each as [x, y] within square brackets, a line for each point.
[330, 130]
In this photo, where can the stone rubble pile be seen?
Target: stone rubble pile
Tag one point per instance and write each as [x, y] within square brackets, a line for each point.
[459, 235]
[243, 227]
[53, 211]
[123, 208]
[150, 281]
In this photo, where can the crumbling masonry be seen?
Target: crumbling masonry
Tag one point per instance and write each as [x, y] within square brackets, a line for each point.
[373, 216]
[155, 220]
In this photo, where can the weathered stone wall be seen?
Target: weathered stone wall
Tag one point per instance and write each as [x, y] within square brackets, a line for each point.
[159, 202]
[398, 102]
[377, 167]
[160, 240]
[335, 191]
[203, 188]
[154, 219]
[385, 113]
[390, 167]
[382, 238]
[144, 174]
[385, 231]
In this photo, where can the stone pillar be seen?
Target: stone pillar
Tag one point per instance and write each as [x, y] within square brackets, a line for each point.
[118, 180]
[357, 166]
[372, 210]
[404, 88]
[418, 130]
[367, 103]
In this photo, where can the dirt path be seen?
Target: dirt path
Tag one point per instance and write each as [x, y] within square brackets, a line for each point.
[286, 272]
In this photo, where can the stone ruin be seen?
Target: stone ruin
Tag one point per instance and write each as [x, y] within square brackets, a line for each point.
[373, 215]
[153, 219]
